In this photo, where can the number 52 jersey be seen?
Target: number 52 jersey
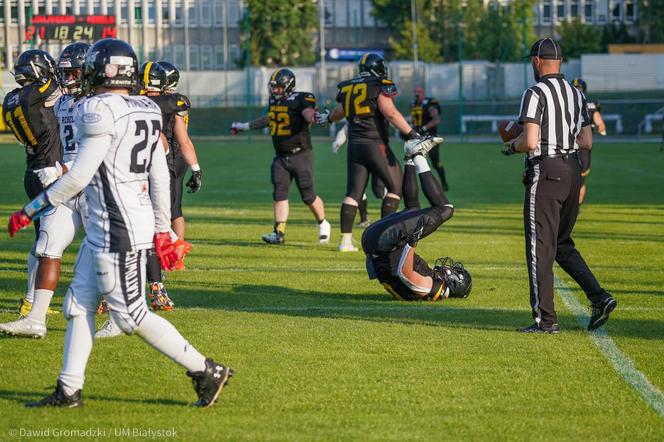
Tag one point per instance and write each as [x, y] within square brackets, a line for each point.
[121, 217]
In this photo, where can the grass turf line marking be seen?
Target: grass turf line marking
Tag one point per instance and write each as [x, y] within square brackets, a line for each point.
[620, 361]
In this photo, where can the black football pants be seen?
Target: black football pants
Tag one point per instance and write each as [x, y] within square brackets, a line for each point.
[550, 209]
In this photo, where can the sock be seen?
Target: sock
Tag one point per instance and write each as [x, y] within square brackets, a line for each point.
[78, 346]
[432, 190]
[40, 305]
[346, 238]
[280, 228]
[347, 217]
[390, 205]
[421, 164]
[153, 268]
[364, 216]
[409, 186]
[33, 264]
[164, 337]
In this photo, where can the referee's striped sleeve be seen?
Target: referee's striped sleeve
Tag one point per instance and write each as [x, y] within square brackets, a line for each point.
[584, 111]
[531, 110]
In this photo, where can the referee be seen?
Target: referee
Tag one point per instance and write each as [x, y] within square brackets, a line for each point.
[556, 125]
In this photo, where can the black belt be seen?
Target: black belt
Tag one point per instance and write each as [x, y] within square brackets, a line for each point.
[563, 156]
[292, 151]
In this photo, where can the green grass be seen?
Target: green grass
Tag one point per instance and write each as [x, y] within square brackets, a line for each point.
[323, 353]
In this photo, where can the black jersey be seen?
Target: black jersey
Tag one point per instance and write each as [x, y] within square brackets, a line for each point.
[359, 98]
[593, 106]
[172, 105]
[421, 115]
[28, 112]
[289, 129]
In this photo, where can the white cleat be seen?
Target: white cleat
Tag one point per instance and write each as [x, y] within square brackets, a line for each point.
[24, 327]
[108, 330]
[347, 247]
[324, 230]
[420, 146]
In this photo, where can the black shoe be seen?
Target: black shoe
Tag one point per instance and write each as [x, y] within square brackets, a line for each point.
[59, 399]
[540, 328]
[209, 382]
[600, 312]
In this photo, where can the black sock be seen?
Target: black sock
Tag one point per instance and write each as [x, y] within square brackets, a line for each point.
[153, 268]
[390, 205]
[364, 216]
[409, 187]
[432, 190]
[347, 217]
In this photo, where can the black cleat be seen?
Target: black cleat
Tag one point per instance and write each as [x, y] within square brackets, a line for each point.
[540, 328]
[600, 312]
[209, 383]
[59, 399]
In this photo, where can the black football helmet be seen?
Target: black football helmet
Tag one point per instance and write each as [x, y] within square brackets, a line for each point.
[34, 65]
[456, 277]
[151, 77]
[372, 65]
[172, 75]
[110, 63]
[284, 78]
[70, 67]
[579, 84]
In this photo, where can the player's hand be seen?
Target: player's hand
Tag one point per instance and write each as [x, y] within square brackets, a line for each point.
[422, 130]
[48, 175]
[238, 127]
[195, 181]
[166, 251]
[322, 119]
[335, 147]
[602, 133]
[19, 220]
[509, 150]
[182, 247]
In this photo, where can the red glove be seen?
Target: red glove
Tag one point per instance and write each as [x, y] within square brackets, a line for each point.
[19, 220]
[165, 250]
[182, 247]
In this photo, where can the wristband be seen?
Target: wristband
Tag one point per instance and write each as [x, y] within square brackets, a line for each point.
[195, 167]
[36, 206]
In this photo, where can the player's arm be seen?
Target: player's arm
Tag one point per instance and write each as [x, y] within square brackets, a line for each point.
[160, 190]
[336, 114]
[258, 123]
[599, 122]
[420, 285]
[530, 117]
[585, 138]
[389, 110]
[435, 119]
[340, 139]
[186, 145]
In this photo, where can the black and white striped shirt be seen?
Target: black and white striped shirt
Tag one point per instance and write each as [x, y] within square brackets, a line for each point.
[559, 109]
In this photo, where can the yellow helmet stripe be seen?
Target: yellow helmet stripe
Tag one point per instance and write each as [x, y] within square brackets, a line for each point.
[364, 58]
[146, 74]
[274, 75]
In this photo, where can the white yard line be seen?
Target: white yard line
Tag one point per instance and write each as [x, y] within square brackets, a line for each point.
[620, 361]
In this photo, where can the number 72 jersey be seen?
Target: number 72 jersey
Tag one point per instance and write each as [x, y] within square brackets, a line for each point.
[120, 211]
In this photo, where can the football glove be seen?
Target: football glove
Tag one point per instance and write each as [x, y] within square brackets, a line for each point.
[166, 251]
[182, 247]
[422, 130]
[335, 147]
[48, 175]
[238, 127]
[19, 220]
[510, 150]
[195, 181]
[322, 119]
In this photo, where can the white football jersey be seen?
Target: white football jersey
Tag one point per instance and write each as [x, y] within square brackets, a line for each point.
[65, 109]
[120, 211]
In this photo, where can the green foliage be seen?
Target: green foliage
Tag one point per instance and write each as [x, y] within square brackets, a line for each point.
[280, 32]
[428, 50]
[577, 38]
[651, 21]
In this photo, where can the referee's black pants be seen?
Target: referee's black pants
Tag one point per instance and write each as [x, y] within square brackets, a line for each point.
[550, 209]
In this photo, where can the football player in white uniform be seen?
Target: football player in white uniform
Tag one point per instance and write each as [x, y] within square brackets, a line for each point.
[122, 162]
[59, 225]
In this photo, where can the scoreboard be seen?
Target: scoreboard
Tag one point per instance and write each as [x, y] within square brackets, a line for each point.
[65, 28]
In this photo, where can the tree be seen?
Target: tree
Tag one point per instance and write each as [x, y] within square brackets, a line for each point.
[280, 32]
[615, 34]
[651, 21]
[577, 38]
[428, 50]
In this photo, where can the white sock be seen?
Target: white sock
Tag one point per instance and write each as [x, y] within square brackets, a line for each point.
[33, 264]
[78, 346]
[163, 336]
[421, 164]
[40, 305]
[409, 162]
[347, 238]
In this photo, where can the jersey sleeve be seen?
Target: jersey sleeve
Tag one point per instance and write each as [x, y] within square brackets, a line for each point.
[598, 108]
[181, 105]
[308, 101]
[531, 107]
[46, 93]
[388, 88]
[94, 118]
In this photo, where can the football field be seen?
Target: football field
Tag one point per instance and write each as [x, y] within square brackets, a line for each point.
[322, 353]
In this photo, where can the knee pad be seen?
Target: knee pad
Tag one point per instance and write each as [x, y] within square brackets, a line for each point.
[124, 322]
[70, 307]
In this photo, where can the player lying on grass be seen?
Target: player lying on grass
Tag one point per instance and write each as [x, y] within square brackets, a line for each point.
[390, 243]
[121, 164]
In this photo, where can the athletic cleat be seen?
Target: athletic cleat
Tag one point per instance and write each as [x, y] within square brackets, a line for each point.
[364, 224]
[273, 238]
[600, 312]
[24, 327]
[59, 399]
[324, 230]
[159, 299]
[420, 146]
[209, 382]
[103, 307]
[540, 328]
[347, 247]
[108, 330]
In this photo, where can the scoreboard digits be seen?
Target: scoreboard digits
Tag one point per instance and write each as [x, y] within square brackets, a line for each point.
[71, 27]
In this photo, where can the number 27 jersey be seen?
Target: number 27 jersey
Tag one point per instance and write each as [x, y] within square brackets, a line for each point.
[121, 217]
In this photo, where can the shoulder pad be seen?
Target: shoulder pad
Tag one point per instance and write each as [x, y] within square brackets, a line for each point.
[389, 90]
[95, 116]
[309, 98]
